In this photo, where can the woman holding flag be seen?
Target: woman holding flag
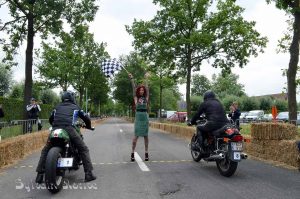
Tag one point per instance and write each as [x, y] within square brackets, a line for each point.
[141, 122]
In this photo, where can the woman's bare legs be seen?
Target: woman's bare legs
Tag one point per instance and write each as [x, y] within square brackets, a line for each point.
[146, 140]
[134, 141]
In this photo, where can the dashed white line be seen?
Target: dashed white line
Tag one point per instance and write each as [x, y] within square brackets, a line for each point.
[140, 162]
[121, 130]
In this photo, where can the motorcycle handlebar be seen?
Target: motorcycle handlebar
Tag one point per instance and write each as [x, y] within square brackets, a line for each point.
[81, 125]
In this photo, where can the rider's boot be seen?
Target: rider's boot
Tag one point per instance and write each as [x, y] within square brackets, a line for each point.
[89, 176]
[39, 178]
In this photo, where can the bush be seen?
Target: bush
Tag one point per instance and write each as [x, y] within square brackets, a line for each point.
[281, 105]
[228, 100]
[265, 103]
[13, 109]
[195, 102]
[152, 115]
[248, 103]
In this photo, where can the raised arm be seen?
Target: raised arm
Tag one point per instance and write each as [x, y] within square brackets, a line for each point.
[133, 85]
[147, 85]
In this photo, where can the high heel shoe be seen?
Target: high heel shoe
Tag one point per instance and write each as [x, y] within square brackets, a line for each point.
[146, 157]
[132, 157]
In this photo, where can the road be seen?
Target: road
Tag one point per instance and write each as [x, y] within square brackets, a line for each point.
[171, 173]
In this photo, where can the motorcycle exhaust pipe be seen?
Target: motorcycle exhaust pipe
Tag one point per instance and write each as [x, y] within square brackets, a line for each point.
[244, 156]
[219, 156]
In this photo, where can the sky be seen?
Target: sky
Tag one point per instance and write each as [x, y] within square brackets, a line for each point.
[261, 76]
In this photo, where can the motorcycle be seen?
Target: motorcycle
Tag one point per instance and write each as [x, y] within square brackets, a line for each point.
[61, 157]
[224, 146]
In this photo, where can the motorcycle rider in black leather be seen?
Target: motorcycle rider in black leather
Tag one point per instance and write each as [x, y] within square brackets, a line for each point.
[65, 116]
[214, 113]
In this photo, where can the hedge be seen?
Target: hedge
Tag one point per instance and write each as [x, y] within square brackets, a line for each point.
[13, 109]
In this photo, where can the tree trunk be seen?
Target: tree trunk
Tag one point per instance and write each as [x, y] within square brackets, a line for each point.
[160, 95]
[188, 84]
[292, 70]
[28, 63]
[80, 97]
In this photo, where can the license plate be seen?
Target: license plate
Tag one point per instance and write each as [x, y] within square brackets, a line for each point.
[237, 146]
[236, 155]
[65, 162]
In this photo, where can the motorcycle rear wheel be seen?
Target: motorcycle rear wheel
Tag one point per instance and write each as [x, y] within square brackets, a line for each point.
[226, 167]
[54, 177]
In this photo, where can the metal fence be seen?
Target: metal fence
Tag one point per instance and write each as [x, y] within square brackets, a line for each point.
[19, 127]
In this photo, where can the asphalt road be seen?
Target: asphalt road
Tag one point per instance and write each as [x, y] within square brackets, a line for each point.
[171, 173]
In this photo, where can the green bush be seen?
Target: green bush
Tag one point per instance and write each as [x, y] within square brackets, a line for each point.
[152, 115]
[13, 109]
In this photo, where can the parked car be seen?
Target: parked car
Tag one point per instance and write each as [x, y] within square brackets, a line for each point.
[283, 117]
[243, 116]
[178, 117]
[267, 117]
[255, 115]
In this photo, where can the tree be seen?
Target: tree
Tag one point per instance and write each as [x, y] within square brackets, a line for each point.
[192, 34]
[49, 97]
[200, 84]
[170, 98]
[31, 17]
[227, 84]
[195, 102]
[265, 103]
[5, 79]
[282, 105]
[74, 61]
[292, 7]
[248, 103]
[228, 100]
[17, 91]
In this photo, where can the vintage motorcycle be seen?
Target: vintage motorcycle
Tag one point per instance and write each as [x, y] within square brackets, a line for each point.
[224, 146]
[61, 157]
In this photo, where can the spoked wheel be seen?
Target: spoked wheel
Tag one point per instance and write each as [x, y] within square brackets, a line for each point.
[196, 155]
[54, 176]
[226, 167]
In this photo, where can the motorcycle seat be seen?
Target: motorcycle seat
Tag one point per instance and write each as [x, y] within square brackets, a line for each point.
[219, 132]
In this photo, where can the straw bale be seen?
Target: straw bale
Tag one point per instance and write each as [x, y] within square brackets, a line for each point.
[273, 131]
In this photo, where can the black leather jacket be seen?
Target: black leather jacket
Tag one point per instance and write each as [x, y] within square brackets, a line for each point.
[213, 110]
[66, 114]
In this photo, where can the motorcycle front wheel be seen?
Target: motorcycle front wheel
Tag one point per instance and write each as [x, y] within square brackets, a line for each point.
[196, 155]
[54, 176]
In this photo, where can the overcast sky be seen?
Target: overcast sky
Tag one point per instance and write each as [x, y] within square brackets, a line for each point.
[262, 75]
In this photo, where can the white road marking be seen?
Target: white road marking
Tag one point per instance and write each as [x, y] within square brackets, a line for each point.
[121, 130]
[140, 162]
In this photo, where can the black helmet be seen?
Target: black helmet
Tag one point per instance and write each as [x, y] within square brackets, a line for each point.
[209, 95]
[68, 96]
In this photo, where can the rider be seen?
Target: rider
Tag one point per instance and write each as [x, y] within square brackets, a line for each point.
[214, 114]
[64, 116]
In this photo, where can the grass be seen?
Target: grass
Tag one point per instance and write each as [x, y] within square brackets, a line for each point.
[12, 131]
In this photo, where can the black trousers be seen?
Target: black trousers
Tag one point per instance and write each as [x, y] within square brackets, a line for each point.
[76, 139]
[204, 130]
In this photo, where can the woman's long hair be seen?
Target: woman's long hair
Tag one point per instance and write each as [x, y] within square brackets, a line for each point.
[137, 91]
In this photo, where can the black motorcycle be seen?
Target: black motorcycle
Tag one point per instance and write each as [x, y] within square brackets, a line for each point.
[61, 157]
[224, 146]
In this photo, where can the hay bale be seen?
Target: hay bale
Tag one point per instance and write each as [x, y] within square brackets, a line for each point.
[284, 151]
[273, 131]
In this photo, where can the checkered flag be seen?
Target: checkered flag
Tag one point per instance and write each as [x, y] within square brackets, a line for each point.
[110, 66]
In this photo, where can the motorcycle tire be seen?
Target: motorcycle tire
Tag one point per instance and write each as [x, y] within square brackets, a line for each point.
[226, 167]
[196, 155]
[54, 177]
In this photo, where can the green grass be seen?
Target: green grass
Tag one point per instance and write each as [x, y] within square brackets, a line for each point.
[246, 129]
[12, 131]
